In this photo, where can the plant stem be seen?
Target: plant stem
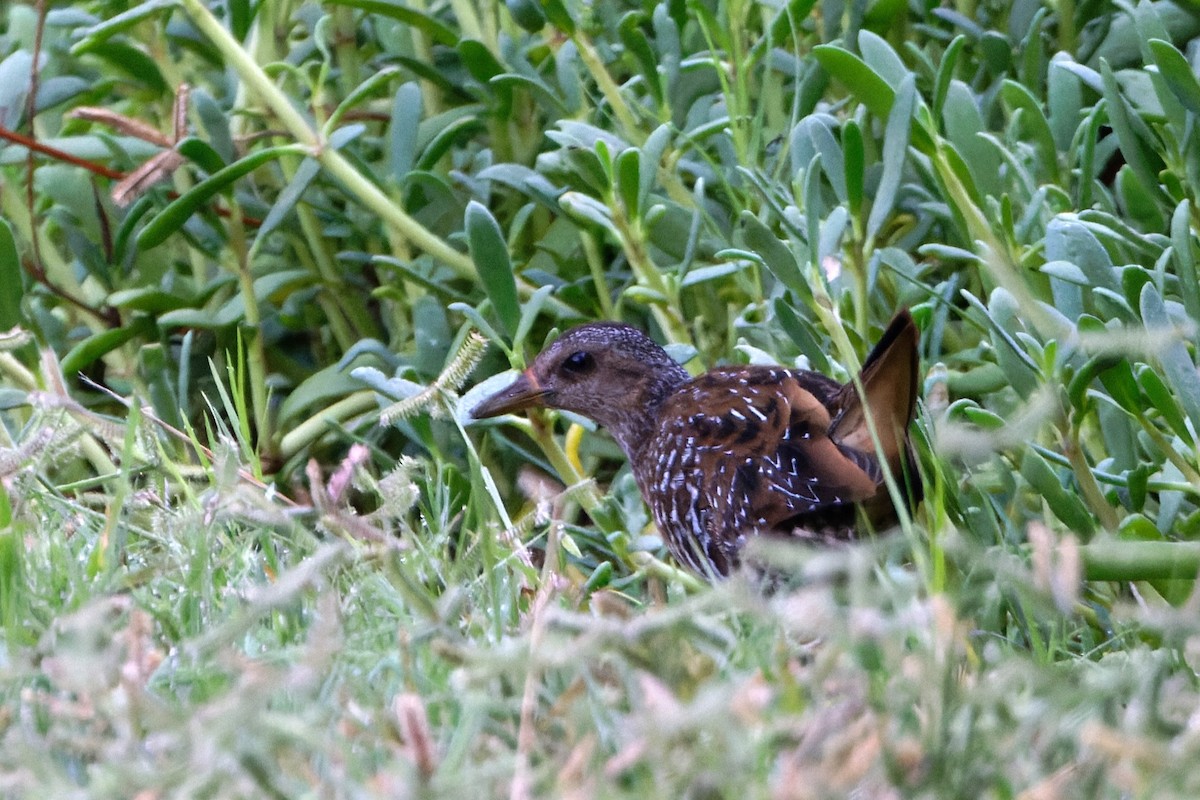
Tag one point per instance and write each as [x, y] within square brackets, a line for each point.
[256, 355]
[312, 428]
[590, 497]
[1087, 481]
[1140, 561]
[608, 87]
[591, 254]
[370, 195]
[647, 272]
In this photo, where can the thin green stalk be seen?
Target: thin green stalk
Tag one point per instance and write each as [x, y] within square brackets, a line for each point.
[318, 424]
[1066, 26]
[668, 178]
[999, 261]
[590, 497]
[937, 523]
[431, 96]
[470, 25]
[338, 305]
[370, 195]
[15, 371]
[734, 94]
[633, 243]
[848, 356]
[591, 253]
[1087, 481]
[200, 265]
[656, 568]
[256, 355]
[305, 254]
[1140, 561]
[405, 228]
[349, 60]
[742, 121]
[608, 87]
[1164, 445]
[858, 266]
[830, 321]
[522, 781]
[1120, 480]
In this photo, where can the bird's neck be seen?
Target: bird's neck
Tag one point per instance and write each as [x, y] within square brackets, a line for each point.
[635, 423]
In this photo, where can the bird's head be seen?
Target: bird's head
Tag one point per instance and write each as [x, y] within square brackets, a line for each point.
[608, 372]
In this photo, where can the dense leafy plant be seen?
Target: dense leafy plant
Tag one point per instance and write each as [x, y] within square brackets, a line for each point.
[244, 240]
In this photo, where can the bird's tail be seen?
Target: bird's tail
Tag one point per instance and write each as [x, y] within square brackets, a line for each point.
[889, 391]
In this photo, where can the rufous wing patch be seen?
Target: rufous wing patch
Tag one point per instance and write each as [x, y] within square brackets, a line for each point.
[889, 388]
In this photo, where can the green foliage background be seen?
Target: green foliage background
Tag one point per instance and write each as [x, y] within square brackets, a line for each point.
[251, 544]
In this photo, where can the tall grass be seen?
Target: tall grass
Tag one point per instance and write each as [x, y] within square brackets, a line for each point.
[257, 260]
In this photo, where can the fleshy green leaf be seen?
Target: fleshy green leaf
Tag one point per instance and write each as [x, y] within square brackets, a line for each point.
[171, 218]
[489, 251]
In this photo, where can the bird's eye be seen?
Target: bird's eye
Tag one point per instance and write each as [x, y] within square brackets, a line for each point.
[579, 363]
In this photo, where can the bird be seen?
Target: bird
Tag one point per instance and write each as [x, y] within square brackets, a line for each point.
[738, 451]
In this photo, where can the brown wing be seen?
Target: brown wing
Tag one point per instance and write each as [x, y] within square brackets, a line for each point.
[754, 450]
[756, 456]
[889, 391]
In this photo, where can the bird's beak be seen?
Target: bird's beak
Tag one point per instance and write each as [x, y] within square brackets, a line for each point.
[525, 392]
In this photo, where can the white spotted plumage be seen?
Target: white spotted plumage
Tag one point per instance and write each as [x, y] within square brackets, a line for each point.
[713, 471]
[738, 451]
